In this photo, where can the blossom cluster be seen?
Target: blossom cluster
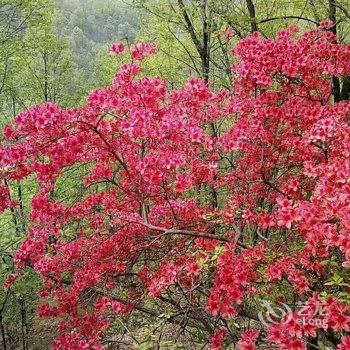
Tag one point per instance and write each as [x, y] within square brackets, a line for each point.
[201, 221]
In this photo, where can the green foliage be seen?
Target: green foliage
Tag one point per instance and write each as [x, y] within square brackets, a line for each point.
[91, 25]
[338, 282]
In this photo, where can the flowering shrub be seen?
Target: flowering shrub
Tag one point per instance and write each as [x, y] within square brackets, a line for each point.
[278, 167]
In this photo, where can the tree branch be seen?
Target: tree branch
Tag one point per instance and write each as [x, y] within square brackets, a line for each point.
[190, 27]
[189, 233]
[288, 17]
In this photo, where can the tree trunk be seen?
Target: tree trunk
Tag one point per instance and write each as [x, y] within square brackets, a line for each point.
[3, 335]
[2, 326]
[332, 9]
[345, 91]
[252, 16]
[46, 78]
[24, 325]
[205, 52]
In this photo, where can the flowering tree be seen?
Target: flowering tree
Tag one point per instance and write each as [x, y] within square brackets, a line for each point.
[198, 204]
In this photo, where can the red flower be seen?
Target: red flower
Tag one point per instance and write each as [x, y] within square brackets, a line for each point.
[117, 49]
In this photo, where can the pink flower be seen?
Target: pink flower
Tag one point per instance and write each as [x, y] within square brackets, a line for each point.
[117, 49]
[345, 344]
[142, 50]
[248, 340]
[327, 24]
[218, 339]
[226, 33]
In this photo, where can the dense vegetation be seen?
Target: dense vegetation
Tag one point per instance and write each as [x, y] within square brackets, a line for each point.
[209, 177]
